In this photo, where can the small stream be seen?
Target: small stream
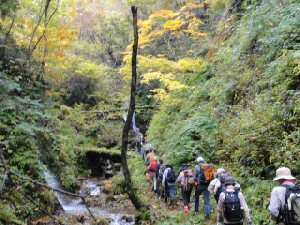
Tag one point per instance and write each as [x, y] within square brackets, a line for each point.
[75, 206]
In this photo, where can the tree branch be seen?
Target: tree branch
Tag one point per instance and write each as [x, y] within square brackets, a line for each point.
[10, 28]
[35, 29]
[22, 177]
[118, 110]
[46, 25]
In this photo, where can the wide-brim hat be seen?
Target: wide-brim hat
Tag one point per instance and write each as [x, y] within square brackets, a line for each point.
[284, 173]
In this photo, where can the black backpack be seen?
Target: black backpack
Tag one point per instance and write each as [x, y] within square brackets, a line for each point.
[161, 172]
[200, 177]
[171, 176]
[232, 207]
[291, 210]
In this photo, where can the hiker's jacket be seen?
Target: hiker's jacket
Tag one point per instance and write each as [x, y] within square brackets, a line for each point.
[165, 175]
[244, 206]
[197, 173]
[215, 184]
[185, 181]
[277, 200]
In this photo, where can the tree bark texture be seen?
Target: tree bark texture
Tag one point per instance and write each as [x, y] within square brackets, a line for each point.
[128, 182]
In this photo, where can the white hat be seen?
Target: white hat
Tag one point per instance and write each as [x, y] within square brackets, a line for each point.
[200, 159]
[284, 173]
[220, 171]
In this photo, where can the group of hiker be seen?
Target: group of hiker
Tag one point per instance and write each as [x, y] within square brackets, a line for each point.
[206, 181]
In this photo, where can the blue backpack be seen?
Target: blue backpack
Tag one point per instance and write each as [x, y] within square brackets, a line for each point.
[171, 176]
[200, 177]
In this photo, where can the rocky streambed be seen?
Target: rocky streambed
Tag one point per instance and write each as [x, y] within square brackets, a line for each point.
[108, 209]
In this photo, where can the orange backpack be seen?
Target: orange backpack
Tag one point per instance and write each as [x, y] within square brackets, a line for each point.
[208, 171]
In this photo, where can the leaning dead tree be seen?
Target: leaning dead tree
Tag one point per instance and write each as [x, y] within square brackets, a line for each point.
[128, 182]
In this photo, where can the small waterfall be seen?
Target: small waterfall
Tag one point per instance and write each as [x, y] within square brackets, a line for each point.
[69, 204]
[134, 127]
[75, 206]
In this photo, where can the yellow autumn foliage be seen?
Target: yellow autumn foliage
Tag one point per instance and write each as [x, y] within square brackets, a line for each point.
[163, 23]
[169, 73]
[173, 25]
[163, 14]
[147, 64]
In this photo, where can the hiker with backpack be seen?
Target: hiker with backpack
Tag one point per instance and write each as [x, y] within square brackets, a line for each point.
[232, 206]
[217, 185]
[151, 174]
[186, 182]
[169, 183]
[285, 199]
[159, 175]
[151, 154]
[183, 167]
[203, 175]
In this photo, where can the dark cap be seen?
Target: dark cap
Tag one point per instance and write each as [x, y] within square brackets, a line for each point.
[229, 180]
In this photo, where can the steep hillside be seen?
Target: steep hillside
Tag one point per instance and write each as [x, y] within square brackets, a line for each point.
[26, 135]
[242, 106]
[243, 103]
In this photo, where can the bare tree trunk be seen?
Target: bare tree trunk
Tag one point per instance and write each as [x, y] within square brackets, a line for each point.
[128, 182]
[45, 38]
[6, 37]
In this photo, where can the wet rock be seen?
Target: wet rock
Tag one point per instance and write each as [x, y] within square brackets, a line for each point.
[96, 201]
[102, 221]
[46, 220]
[127, 219]
[110, 198]
[81, 219]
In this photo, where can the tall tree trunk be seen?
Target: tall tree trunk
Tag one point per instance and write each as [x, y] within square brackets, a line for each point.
[128, 182]
[45, 39]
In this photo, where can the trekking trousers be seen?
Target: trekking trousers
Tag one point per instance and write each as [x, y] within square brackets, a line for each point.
[186, 196]
[166, 192]
[154, 183]
[202, 190]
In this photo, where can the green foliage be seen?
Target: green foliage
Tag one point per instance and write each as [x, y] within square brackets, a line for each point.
[257, 193]
[245, 116]
[243, 105]
[7, 7]
[118, 185]
[240, 104]
[22, 123]
[7, 215]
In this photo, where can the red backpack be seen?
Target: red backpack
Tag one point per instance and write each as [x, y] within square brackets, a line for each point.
[153, 165]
